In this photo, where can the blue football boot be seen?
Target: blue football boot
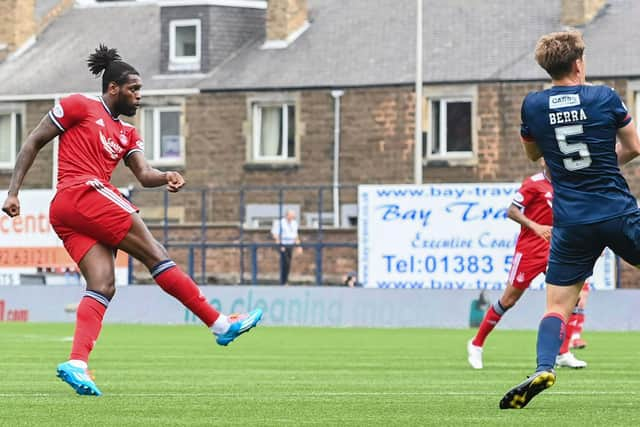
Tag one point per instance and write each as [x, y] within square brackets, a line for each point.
[240, 323]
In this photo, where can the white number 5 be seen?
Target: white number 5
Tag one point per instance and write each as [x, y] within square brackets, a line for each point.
[571, 149]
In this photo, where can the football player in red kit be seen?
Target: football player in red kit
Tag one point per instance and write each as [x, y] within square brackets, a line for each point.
[93, 219]
[531, 208]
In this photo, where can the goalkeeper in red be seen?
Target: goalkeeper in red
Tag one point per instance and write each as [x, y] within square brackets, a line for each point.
[532, 209]
[93, 219]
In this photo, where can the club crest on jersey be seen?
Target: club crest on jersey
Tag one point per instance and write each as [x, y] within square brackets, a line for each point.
[58, 111]
[111, 147]
[123, 139]
[561, 101]
[100, 122]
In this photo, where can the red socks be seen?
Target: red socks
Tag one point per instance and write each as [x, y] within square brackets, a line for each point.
[179, 285]
[88, 324]
[579, 322]
[572, 326]
[489, 322]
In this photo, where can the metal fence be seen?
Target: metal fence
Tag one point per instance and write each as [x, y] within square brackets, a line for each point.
[225, 232]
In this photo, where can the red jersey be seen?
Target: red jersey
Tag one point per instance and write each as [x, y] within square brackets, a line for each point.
[92, 142]
[534, 198]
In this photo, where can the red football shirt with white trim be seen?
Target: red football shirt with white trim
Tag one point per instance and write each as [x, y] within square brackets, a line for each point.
[92, 141]
[534, 198]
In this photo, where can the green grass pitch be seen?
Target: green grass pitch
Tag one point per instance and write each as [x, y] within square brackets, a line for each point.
[177, 376]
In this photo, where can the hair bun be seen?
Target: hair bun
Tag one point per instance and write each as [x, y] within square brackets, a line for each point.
[101, 59]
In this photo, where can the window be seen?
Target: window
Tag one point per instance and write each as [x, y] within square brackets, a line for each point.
[274, 132]
[162, 135]
[10, 138]
[263, 215]
[637, 110]
[184, 45]
[449, 135]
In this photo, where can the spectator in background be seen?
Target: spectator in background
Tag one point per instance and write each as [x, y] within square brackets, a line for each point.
[351, 280]
[285, 233]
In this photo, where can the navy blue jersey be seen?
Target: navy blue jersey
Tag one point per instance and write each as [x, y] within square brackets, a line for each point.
[575, 128]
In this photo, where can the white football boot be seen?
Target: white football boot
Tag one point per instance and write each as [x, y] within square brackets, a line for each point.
[568, 360]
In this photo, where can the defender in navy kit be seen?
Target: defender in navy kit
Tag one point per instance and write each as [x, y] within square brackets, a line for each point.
[574, 126]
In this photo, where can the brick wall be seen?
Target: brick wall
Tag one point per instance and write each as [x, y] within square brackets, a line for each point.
[40, 174]
[285, 17]
[17, 23]
[376, 147]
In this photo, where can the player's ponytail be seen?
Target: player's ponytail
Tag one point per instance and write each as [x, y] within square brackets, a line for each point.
[108, 62]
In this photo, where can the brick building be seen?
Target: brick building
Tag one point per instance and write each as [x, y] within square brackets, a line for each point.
[244, 93]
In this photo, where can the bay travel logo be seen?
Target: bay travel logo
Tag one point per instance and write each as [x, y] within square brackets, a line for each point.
[441, 236]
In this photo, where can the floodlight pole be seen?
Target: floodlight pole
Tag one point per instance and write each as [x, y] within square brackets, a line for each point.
[417, 164]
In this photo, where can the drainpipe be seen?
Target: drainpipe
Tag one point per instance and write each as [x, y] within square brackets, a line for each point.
[417, 161]
[336, 94]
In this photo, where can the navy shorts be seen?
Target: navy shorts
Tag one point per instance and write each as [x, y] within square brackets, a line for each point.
[575, 248]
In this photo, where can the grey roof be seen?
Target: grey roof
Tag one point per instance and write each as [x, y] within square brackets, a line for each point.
[56, 63]
[42, 7]
[349, 43]
[372, 42]
[611, 39]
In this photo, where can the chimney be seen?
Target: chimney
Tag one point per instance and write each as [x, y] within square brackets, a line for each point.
[17, 24]
[576, 13]
[286, 19]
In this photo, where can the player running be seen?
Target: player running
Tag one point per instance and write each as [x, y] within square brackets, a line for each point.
[574, 127]
[94, 220]
[531, 208]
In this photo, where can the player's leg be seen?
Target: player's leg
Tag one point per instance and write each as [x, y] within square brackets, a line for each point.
[550, 336]
[97, 267]
[574, 251]
[491, 319]
[565, 357]
[523, 270]
[139, 243]
[577, 320]
[560, 303]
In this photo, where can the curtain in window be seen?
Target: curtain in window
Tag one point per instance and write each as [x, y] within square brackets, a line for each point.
[148, 135]
[271, 132]
[5, 138]
[459, 126]
[169, 134]
[186, 41]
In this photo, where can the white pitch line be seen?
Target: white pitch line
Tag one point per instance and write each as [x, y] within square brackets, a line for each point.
[332, 394]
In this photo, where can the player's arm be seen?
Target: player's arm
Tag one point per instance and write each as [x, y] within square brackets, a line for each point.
[543, 231]
[527, 139]
[152, 177]
[38, 138]
[628, 145]
[531, 149]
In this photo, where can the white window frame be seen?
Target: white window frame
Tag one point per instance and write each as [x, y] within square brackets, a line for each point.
[443, 154]
[156, 143]
[184, 63]
[450, 92]
[256, 117]
[636, 112]
[262, 215]
[14, 146]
